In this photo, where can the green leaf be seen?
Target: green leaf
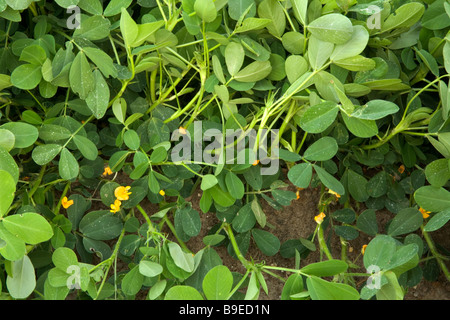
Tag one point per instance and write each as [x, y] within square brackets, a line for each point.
[236, 8]
[379, 251]
[53, 132]
[87, 148]
[7, 139]
[98, 99]
[33, 54]
[67, 3]
[271, 9]
[319, 117]
[321, 150]
[325, 268]
[181, 292]
[392, 290]
[234, 57]
[182, 259]
[250, 24]
[22, 281]
[367, 222]
[429, 61]
[329, 181]
[18, 4]
[45, 153]
[352, 47]
[68, 165]
[334, 27]
[267, 242]
[131, 139]
[356, 63]
[299, 8]
[437, 172]
[295, 66]
[245, 219]
[432, 198]
[132, 281]
[234, 185]
[437, 221]
[8, 191]
[128, 27]
[345, 215]
[8, 164]
[100, 225]
[93, 28]
[206, 10]
[404, 17]
[258, 212]
[208, 181]
[145, 31]
[253, 72]
[375, 109]
[217, 283]
[360, 127]
[115, 6]
[30, 227]
[25, 134]
[435, 17]
[26, 76]
[406, 221]
[150, 268]
[320, 289]
[357, 185]
[15, 247]
[190, 219]
[63, 258]
[319, 51]
[81, 78]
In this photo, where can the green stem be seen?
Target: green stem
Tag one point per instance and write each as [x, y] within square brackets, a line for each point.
[323, 243]
[238, 253]
[434, 252]
[109, 261]
[174, 232]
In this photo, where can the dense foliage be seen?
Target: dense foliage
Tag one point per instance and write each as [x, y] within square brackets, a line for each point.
[95, 96]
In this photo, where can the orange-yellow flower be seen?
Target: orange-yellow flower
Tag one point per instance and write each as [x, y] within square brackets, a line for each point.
[424, 213]
[401, 169]
[182, 130]
[115, 207]
[363, 249]
[122, 193]
[66, 203]
[335, 193]
[298, 192]
[107, 171]
[256, 162]
[319, 218]
[161, 192]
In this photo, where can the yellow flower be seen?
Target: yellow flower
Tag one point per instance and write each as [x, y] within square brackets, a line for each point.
[401, 169]
[66, 203]
[298, 192]
[424, 213]
[363, 249]
[115, 207]
[161, 192]
[107, 171]
[122, 193]
[335, 193]
[256, 162]
[319, 218]
[182, 130]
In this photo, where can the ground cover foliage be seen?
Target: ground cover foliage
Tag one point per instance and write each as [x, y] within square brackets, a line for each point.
[92, 91]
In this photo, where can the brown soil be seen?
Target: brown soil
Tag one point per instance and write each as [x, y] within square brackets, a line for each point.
[297, 220]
